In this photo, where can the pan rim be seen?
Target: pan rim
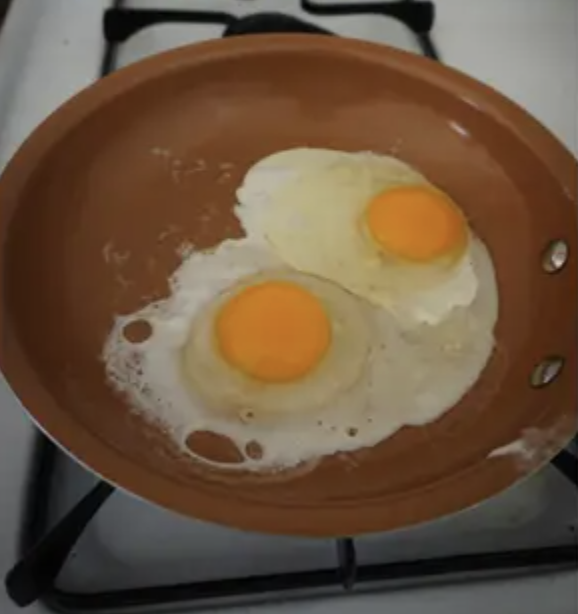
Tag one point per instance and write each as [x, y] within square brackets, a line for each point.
[459, 490]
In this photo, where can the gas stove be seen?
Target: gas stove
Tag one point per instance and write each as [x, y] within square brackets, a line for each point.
[135, 557]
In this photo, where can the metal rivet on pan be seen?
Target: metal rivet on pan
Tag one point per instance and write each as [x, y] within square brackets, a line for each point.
[555, 256]
[546, 371]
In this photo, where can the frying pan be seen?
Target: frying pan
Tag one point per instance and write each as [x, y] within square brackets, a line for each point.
[103, 171]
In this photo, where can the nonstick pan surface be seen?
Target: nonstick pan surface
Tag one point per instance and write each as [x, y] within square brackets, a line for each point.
[97, 173]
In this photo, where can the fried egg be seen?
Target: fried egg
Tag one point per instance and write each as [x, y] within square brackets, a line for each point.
[251, 350]
[277, 342]
[370, 223]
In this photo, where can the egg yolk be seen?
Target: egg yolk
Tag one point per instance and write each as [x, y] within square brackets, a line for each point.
[274, 332]
[416, 223]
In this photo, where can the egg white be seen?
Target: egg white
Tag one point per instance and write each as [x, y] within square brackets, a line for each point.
[401, 378]
[308, 205]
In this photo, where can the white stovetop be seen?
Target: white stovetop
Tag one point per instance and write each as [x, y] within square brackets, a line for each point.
[525, 48]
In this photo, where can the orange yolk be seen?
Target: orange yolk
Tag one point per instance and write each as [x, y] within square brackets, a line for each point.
[274, 332]
[416, 223]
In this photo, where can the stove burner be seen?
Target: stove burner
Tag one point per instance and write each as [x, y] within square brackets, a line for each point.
[271, 23]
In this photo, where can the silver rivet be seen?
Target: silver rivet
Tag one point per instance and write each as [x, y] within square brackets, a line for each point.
[555, 256]
[547, 371]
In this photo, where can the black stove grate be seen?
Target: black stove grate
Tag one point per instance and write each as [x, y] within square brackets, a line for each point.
[344, 577]
[119, 25]
[122, 23]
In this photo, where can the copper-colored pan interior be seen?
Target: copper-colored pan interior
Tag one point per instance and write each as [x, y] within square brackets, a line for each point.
[139, 164]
